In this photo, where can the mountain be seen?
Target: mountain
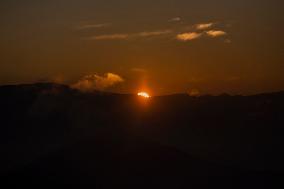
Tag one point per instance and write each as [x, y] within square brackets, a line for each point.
[52, 134]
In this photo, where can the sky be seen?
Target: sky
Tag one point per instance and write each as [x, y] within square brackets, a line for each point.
[161, 46]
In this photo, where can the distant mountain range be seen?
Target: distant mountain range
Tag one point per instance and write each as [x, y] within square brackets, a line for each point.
[59, 135]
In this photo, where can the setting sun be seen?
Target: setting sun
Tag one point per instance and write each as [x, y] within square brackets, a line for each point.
[144, 94]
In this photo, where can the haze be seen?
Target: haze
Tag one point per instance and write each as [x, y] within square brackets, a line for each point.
[162, 46]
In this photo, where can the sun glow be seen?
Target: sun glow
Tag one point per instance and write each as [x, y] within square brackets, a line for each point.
[144, 95]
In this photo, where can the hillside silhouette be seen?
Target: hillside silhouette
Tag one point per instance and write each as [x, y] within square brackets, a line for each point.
[52, 134]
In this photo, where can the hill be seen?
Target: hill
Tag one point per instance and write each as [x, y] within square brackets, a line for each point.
[62, 136]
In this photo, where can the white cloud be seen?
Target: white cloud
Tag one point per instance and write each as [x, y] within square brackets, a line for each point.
[96, 82]
[216, 33]
[188, 36]
[204, 26]
[176, 19]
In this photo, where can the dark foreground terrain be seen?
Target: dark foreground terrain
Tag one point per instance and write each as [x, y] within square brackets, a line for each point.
[52, 135]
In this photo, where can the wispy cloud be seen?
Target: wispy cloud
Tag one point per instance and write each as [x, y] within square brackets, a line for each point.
[216, 33]
[109, 37]
[194, 32]
[91, 26]
[153, 33]
[128, 36]
[175, 19]
[188, 36]
[97, 82]
[204, 26]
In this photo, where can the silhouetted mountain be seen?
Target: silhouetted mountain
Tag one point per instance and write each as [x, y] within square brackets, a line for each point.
[52, 134]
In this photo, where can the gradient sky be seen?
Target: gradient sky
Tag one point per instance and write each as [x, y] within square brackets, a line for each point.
[161, 46]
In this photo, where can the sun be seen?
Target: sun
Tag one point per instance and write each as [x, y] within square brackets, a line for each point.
[143, 94]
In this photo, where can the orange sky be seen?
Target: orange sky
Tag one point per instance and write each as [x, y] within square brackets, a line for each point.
[163, 47]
